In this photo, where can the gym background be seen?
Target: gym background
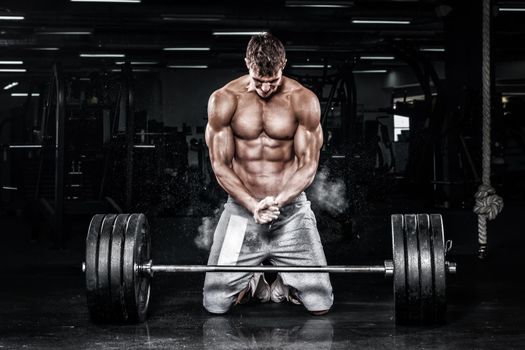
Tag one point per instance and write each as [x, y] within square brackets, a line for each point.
[103, 110]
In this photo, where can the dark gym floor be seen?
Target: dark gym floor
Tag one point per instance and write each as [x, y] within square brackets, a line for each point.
[42, 298]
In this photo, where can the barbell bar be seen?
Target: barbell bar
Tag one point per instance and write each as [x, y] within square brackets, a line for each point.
[387, 269]
[150, 269]
[119, 269]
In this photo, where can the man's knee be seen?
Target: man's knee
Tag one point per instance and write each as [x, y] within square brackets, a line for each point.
[217, 301]
[317, 301]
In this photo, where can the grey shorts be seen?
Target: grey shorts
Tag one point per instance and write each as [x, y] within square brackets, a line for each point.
[292, 239]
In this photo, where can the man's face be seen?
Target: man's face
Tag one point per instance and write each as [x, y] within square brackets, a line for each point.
[265, 86]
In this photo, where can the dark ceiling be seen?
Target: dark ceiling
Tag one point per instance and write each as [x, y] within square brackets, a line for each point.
[312, 35]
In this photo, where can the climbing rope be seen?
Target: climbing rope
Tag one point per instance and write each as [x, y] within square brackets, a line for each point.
[488, 204]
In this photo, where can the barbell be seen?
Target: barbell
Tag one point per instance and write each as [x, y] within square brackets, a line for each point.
[118, 268]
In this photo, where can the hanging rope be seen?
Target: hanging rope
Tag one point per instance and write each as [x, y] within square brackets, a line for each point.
[488, 204]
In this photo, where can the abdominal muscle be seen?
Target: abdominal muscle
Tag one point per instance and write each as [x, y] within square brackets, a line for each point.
[264, 167]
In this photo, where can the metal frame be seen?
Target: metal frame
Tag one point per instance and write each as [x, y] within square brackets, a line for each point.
[130, 131]
[59, 153]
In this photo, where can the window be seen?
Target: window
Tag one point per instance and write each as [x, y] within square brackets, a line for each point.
[400, 123]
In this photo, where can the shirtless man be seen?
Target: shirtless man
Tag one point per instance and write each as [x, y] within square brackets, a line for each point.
[264, 137]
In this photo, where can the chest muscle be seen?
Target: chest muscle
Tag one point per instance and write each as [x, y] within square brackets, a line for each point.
[253, 118]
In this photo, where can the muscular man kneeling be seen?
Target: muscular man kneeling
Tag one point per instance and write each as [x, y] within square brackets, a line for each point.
[264, 137]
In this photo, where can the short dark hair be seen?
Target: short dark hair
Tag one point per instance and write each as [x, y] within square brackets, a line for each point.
[265, 54]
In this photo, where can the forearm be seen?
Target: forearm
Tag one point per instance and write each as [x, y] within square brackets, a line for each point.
[297, 183]
[233, 185]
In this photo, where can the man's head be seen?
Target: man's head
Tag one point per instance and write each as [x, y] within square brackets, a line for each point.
[265, 59]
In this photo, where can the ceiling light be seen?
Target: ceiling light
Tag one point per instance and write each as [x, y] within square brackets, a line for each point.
[379, 21]
[432, 49]
[138, 62]
[377, 57]
[24, 94]
[312, 48]
[512, 9]
[11, 62]
[144, 146]
[98, 55]
[138, 70]
[193, 18]
[6, 17]
[310, 66]
[183, 66]
[117, 1]
[225, 33]
[24, 146]
[319, 4]
[186, 49]
[44, 48]
[61, 31]
[9, 86]
[12, 70]
[369, 71]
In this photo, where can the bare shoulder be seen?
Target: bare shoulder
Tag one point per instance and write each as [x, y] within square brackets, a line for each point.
[305, 103]
[222, 104]
[222, 96]
[229, 93]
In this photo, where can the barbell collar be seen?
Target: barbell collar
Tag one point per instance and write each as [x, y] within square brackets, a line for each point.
[450, 267]
[389, 268]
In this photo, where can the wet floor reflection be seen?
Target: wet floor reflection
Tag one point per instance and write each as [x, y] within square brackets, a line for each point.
[221, 333]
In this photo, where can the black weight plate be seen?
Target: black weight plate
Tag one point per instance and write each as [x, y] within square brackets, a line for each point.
[143, 280]
[399, 258]
[92, 240]
[426, 269]
[136, 252]
[103, 268]
[413, 276]
[117, 279]
[438, 257]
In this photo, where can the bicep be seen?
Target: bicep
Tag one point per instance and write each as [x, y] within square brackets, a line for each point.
[309, 135]
[220, 144]
[307, 144]
[219, 134]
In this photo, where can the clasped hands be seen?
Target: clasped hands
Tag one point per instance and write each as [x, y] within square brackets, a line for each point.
[266, 210]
